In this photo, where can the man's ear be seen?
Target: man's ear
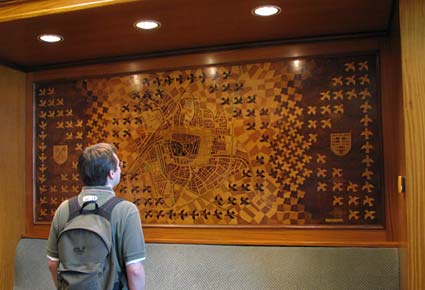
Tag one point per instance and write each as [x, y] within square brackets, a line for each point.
[111, 174]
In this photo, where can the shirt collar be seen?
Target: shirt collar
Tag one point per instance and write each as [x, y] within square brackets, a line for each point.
[97, 190]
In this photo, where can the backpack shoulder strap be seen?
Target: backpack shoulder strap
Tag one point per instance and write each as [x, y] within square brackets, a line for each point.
[106, 209]
[74, 207]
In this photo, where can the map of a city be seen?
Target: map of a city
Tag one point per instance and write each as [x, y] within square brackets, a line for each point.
[282, 142]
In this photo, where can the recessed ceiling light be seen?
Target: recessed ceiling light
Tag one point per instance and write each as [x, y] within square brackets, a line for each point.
[148, 24]
[50, 38]
[267, 10]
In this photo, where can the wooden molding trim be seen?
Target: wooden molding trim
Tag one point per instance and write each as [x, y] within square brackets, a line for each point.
[13, 10]
[211, 58]
[245, 236]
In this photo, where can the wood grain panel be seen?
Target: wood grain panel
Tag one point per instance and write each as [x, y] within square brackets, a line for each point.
[12, 173]
[238, 169]
[412, 29]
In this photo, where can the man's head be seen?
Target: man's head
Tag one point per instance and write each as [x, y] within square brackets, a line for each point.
[98, 165]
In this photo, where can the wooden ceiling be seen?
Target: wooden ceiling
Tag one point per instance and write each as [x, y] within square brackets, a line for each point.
[102, 31]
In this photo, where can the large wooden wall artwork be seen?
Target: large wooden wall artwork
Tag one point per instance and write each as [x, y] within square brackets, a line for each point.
[280, 142]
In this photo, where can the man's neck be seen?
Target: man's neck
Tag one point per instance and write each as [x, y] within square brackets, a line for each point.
[109, 185]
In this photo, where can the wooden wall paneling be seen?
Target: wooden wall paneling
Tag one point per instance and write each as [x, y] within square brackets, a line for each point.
[293, 236]
[412, 30]
[12, 174]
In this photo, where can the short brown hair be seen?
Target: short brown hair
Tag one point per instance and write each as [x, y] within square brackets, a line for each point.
[95, 162]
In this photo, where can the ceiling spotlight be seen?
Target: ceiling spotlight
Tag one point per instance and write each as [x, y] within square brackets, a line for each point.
[267, 10]
[51, 38]
[148, 24]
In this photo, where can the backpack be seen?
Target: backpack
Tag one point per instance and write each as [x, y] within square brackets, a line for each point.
[86, 250]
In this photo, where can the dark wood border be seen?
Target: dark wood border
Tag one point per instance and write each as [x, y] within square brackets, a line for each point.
[264, 236]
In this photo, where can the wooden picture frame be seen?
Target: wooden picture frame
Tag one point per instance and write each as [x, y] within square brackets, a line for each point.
[242, 234]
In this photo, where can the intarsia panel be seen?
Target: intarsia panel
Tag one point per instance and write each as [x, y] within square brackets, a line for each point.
[271, 143]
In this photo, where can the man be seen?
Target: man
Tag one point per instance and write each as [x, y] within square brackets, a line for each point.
[100, 171]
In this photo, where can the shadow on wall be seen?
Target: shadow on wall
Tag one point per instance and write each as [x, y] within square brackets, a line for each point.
[203, 267]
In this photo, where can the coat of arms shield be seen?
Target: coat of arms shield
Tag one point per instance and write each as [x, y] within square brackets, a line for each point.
[60, 153]
[341, 143]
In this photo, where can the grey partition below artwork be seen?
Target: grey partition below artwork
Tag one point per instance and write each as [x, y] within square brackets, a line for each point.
[202, 267]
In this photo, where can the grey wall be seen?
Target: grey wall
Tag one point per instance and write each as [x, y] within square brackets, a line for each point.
[203, 267]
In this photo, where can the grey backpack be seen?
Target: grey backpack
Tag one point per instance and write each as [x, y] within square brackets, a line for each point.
[86, 250]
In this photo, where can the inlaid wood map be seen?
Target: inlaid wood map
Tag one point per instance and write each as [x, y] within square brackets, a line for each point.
[282, 142]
